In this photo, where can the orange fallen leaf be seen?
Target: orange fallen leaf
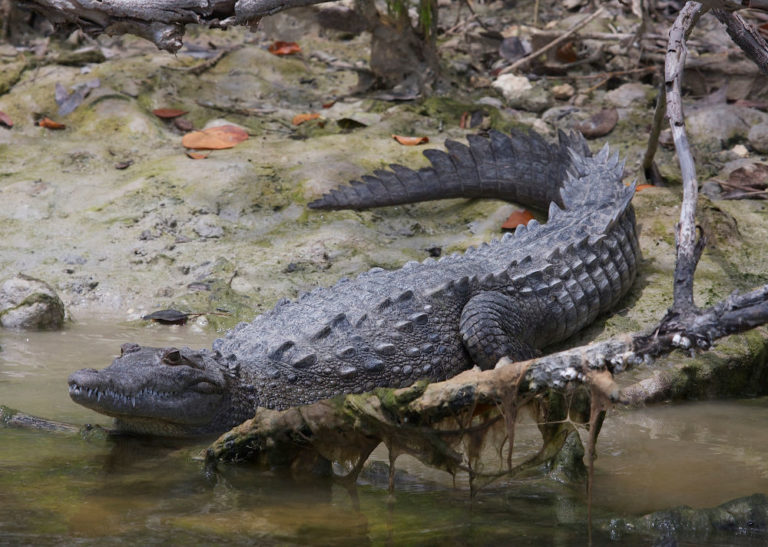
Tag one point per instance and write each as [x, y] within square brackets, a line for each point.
[641, 187]
[168, 113]
[516, 218]
[215, 138]
[5, 119]
[410, 141]
[464, 120]
[567, 53]
[50, 124]
[279, 47]
[299, 119]
[197, 155]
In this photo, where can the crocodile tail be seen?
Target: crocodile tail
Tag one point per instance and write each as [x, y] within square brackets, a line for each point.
[520, 167]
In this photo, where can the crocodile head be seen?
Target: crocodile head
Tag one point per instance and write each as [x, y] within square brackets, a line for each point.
[161, 391]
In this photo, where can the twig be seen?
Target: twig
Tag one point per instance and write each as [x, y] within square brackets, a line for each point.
[653, 138]
[570, 32]
[609, 36]
[686, 229]
[474, 14]
[745, 36]
[208, 64]
[455, 28]
[602, 75]
[597, 85]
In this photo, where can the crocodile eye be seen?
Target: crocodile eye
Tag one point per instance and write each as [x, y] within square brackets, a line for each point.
[172, 357]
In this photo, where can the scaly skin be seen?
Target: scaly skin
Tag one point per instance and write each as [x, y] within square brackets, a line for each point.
[427, 320]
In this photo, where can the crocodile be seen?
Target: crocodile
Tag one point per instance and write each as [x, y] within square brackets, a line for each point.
[427, 320]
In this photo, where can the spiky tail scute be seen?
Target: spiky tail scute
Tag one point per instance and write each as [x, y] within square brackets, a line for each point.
[520, 167]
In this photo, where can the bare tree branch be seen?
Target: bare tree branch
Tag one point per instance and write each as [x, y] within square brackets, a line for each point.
[686, 230]
[745, 36]
[161, 22]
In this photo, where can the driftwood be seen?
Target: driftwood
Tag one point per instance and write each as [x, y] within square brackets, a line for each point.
[431, 422]
[160, 22]
[11, 418]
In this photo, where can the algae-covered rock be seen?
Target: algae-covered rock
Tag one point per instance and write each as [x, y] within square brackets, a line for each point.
[29, 303]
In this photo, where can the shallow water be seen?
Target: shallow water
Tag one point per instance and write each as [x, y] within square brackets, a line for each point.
[60, 489]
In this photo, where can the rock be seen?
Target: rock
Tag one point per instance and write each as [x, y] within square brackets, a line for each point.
[490, 101]
[522, 94]
[711, 189]
[714, 126]
[563, 92]
[631, 94]
[758, 137]
[739, 151]
[29, 303]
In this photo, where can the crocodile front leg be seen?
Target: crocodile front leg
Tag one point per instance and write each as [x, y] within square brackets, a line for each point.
[494, 325]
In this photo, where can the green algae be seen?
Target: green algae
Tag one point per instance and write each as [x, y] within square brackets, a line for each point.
[10, 74]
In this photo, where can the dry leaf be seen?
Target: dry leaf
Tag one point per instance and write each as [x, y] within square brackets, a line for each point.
[567, 53]
[464, 120]
[168, 113]
[5, 119]
[641, 187]
[215, 138]
[410, 141]
[123, 164]
[197, 155]
[515, 219]
[50, 124]
[329, 104]
[283, 48]
[299, 119]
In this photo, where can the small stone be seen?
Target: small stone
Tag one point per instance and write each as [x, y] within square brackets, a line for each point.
[740, 151]
[631, 94]
[563, 92]
[521, 93]
[711, 189]
[758, 138]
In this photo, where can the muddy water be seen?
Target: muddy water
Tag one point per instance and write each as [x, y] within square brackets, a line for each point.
[57, 490]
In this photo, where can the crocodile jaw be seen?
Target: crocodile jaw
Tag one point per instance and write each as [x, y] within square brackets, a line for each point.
[148, 396]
